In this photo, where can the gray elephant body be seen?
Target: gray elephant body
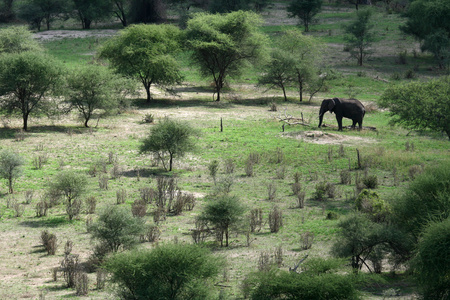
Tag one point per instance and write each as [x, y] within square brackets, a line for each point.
[343, 108]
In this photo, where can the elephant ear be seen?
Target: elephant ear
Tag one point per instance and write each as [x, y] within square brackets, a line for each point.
[331, 104]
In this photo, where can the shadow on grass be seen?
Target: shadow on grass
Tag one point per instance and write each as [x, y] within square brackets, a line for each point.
[46, 222]
[145, 173]
[19, 134]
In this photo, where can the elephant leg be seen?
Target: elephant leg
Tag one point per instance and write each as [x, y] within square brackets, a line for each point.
[354, 124]
[339, 121]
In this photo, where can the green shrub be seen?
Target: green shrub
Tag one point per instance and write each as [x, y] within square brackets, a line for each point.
[370, 181]
[369, 202]
[432, 261]
[277, 284]
[172, 271]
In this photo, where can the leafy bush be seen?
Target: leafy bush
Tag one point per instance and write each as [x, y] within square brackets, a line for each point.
[370, 181]
[277, 284]
[425, 199]
[116, 228]
[171, 271]
[370, 203]
[10, 167]
[432, 260]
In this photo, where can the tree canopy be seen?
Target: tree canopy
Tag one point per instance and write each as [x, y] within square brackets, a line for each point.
[428, 21]
[223, 45]
[360, 34]
[15, 39]
[94, 91]
[169, 138]
[420, 105]
[146, 52]
[305, 10]
[26, 81]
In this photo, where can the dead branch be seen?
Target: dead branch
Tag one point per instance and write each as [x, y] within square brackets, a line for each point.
[295, 268]
[290, 120]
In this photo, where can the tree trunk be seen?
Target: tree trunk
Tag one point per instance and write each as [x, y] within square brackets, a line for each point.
[226, 237]
[25, 121]
[149, 97]
[170, 162]
[86, 123]
[284, 93]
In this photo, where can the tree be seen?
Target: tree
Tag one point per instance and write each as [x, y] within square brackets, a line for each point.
[432, 260]
[146, 52]
[223, 45]
[15, 39]
[279, 71]
[427, 20]
[94, 91]
[171, 271]
[420, 105]
[89, 11]
[37, 11]
[223, 213]
[304, 55]
[117, 228]
[169, 138]
[226, 6]
[70, 186]
[26, 79]
[10, 167]
[305, 10]
[360, 36]
[121, 9]
[6, 11]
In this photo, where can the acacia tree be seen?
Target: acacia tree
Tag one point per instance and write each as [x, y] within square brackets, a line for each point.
[305, 10]
[37, 11]
[420, 105]
[88, 11]
[223, 213]
[146, 52]
[71, 186]
[360, 36]
[302, 56]
[10, 167]
[428, 21]
[94, 91]
[26, 79]
[223, 45]
[169, 138]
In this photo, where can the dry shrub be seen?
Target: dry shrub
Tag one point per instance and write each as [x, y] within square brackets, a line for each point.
[91, 204]
[49, 241]
[189, 201]
[81, 284]
[147, 194]
[159, 214]
[275, 219]
[29, 196]
[101, 279]
[121, 196]
[278, 256]
[271, 191]
[370, 181]
[41, 208]
[281, 172]
[264, 263]
[70, 267]
[103, 182]
[301, 199]
[73, 208]
[346, 177]
[39, 161]
[256, 219]
[296, 188]
[229, 166]
[414, 171]
[139, 208]
[273, 106]
[112, 158]
[201, 231]
[151, 234]
[248, 168]
[68, 247]
[19, 209]
[307, 239]
[116, 171]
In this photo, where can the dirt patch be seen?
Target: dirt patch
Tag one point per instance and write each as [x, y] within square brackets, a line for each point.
[63, 34]
[320, 137]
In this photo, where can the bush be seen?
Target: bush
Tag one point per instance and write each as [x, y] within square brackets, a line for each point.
[49, 241]
[370, 181]
[139, 208]
[275, 219]
[71, 186]
[425, 199]
[71, 267]
[213, 167]
[432, 260]
[172, 271]
[10, 167]
[116, 228]
[277, 284]
[369, 202]
[346, 177]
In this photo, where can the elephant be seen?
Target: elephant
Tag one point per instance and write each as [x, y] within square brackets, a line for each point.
[347, 108]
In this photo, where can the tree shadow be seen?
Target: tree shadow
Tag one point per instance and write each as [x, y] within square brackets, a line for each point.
[46, 222]
[146, 173]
